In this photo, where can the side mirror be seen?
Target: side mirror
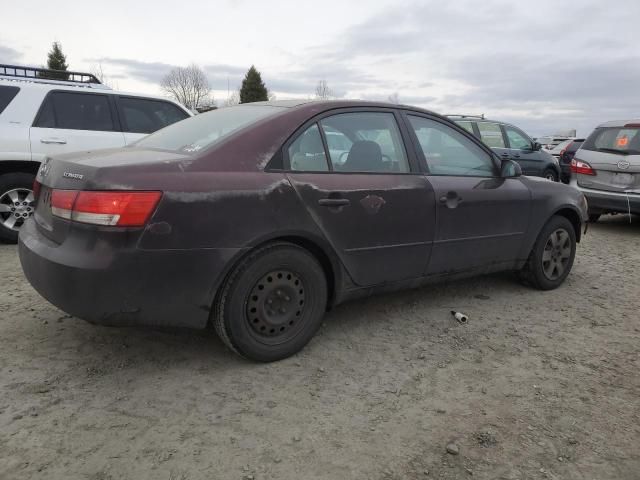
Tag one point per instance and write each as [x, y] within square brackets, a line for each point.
[510, 169]
[536, 146]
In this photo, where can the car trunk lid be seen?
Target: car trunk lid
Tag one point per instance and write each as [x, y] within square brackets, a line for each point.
[108, 170]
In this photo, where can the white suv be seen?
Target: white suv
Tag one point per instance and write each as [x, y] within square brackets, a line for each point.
[46, 112]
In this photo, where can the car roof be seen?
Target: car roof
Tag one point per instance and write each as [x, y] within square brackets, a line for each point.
[620, 123]
[44, 86]
[479, 119]
[338, 103]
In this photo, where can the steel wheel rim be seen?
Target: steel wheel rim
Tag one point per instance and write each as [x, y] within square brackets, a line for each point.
[16, 206]
[275, 306]
[556, 254]
[550, 176]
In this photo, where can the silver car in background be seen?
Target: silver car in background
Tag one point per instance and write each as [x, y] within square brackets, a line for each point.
[606, 169]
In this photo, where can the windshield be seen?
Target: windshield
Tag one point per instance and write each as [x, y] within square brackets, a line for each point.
[619, 140]
[205, 130]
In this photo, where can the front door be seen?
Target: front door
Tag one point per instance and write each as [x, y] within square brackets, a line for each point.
[481, 218]
[374, 209]
[521, 150]
[71, 122]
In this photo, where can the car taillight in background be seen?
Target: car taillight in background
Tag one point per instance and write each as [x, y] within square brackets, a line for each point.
[583, 168]
[110, 208]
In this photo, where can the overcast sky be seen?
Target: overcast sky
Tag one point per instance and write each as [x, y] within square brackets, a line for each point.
[543, 65]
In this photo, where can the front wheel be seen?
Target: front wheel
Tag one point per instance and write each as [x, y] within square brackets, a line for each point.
[16, 203]
[272, 303]
[552, 255]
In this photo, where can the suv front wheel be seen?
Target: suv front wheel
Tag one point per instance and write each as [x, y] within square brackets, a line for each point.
[16, 204]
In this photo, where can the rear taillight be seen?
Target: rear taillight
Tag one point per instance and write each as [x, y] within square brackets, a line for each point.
[122, 208]
[578, 166]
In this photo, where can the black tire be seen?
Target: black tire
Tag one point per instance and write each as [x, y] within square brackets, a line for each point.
[11, 182]
[272, 303]
[594, 217]
[550, 174]
[551, 259]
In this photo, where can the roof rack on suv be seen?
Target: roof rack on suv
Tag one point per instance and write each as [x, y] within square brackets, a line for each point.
[481, 116]
[45, 75]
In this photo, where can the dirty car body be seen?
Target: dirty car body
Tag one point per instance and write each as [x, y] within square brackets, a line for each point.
[258, 179]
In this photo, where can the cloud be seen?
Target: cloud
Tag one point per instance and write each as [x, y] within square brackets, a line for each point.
[543, 64]
[9, 55]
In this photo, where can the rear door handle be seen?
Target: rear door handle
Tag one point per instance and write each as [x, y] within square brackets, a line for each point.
[334, 202]
[57, 141]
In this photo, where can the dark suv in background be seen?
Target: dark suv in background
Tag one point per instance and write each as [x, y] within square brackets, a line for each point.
[509, 142]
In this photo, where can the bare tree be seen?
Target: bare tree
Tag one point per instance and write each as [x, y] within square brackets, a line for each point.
[188, 85]
[233, 99]
[323, 91]
[98, 72]
[394, 98]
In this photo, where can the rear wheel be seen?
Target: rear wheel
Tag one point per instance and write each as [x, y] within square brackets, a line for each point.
[550, 174]
[272, 303]
[16, 203]
[552, 255]
[594, 217]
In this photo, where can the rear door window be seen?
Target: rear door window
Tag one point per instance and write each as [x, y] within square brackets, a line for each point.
[448, 152]
[76, 111]
[373, 140]
[618, 140]
[6, 95]
[491, 134]
[142, 115]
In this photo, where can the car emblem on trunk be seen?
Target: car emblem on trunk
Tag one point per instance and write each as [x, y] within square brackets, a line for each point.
[623, 164]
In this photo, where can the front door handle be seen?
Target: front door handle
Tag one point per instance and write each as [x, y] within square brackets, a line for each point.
[334, 202]
[57, 141]
[451, 199]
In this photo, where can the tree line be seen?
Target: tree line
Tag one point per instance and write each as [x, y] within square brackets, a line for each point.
[189, 85]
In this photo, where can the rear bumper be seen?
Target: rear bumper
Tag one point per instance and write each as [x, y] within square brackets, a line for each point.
[611, 202]
[97, 282]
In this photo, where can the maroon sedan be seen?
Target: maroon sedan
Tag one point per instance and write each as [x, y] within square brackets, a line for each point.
[258, 218]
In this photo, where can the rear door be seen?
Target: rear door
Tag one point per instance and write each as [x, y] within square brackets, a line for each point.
[141, 116]
[74, 121]
[521, 150]
[614, 154]
[371, 204]
[481, 218]
[492, 136]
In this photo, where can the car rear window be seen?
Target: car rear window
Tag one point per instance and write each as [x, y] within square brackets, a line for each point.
[617, 140]
[205, 130]
[6, 95]
[575, 145]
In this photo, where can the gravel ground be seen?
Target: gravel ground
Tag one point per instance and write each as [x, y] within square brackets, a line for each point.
[536, 385]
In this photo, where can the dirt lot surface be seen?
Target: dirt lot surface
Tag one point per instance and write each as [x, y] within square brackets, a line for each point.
[536, 385]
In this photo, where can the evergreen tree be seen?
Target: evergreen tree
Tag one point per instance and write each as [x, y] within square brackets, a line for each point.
[56, 60]
[253, 89]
